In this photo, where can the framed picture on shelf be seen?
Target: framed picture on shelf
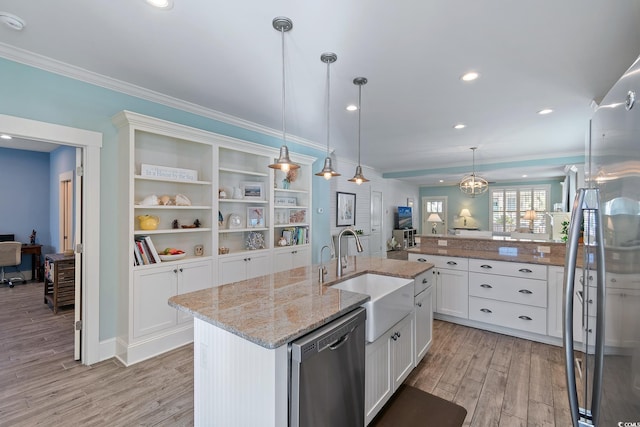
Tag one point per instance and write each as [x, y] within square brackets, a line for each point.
[346, 209]
[253, 190]
[255, 217]
[297, 216]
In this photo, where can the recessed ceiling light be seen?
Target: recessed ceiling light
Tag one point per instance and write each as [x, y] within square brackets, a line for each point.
[460, 126]
[12, 21]
[524, 176]
[3, 136]
[545, 111]
[161, 4]
[352, 107]
[470, 76]
[442, 180]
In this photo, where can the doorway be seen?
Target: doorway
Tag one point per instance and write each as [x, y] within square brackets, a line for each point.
[87, 240]
[65, 210]
[376, 239]
[436, 224]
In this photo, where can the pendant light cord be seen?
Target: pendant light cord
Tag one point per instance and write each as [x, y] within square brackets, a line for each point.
[328, 105]
[284, 133]
[359, 118]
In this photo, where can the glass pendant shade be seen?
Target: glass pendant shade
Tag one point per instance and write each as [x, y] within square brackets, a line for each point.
[284, 163]
[327, 171]
[473, 185]
[359, 178]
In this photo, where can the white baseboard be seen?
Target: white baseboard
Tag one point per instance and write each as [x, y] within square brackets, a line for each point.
[107, 349]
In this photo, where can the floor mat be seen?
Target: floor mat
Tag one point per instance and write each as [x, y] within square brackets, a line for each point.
[412, 407]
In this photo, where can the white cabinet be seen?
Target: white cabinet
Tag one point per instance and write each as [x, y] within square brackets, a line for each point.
[166, 174]
[152, 287]
[451, 277]
[508, 294]
[234, 268]
[423, 314]
[388, 362]
[555, 294]
[291, 257]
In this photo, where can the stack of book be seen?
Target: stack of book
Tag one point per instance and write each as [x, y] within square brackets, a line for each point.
[144, 252]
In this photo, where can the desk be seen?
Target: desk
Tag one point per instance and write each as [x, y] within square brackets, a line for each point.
[36, 252]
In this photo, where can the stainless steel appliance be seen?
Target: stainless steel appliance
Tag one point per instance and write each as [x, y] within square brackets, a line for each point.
[602, 295]
[327, 374]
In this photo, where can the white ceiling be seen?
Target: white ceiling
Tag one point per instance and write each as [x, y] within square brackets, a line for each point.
[225, 56]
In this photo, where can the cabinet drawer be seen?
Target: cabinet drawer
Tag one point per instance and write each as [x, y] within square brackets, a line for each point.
[439, 261]
[422, 282]
[510, 289]
[503, 268]
[508, 315]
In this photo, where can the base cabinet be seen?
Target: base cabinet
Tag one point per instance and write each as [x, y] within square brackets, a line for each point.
[291, 257]
[242, 267]
[388, 362]
[423, 313]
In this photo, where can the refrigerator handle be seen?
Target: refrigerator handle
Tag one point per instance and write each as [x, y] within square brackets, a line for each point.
[577, 217]
[600, 318]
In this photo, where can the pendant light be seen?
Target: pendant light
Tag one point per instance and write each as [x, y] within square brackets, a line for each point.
[472, 185]
[327, 171]
[359, 178]
[283, 163]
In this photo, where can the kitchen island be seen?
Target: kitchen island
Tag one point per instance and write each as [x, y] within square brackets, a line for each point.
[242, 331]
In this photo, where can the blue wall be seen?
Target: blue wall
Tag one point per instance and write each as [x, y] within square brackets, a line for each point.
[35, 94]
[24, 197]
[479, 206]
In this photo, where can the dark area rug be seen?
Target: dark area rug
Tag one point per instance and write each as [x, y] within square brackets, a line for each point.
[412, 407]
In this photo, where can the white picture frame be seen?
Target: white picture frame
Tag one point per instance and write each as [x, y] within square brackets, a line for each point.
[253, 190]
[255, 217]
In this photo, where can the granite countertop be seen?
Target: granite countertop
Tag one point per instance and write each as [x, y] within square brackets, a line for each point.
[509, 254]
[277, 308]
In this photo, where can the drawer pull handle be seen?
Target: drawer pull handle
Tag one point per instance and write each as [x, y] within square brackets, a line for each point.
[425, 280]
[525, 291]
[484, 285]
[419, 304]
[525, 270]
[422, 260]
[487, 266]
[452, 263]
[486, 310]
[525, 318]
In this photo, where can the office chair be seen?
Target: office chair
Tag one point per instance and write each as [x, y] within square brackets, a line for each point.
[10, 256]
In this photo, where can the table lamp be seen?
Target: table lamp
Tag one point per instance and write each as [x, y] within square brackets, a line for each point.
[530, 215]
[464, 213]
[434, 219]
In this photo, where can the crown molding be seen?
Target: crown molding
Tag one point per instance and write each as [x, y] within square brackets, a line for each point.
[67, 70]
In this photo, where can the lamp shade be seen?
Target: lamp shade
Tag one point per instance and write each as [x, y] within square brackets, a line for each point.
[529, 215]
[434, 217]
[465, 213]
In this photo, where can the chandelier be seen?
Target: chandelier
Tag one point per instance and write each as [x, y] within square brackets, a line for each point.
[472, 185]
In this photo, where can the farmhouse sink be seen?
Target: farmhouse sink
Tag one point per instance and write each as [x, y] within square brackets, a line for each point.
[391, 300]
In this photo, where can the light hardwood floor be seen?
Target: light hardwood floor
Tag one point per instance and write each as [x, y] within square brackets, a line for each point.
[500, 380]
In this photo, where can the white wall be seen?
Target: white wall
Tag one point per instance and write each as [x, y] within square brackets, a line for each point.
[394, 193]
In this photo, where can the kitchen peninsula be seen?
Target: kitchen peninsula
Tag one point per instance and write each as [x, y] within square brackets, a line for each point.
[505, 285]
[242, 331]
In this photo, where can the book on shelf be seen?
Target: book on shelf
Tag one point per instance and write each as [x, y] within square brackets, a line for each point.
[147, 250]
[136, 254]
[296, 235]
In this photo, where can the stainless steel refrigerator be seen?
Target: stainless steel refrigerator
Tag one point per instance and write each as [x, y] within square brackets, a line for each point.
[602, 270]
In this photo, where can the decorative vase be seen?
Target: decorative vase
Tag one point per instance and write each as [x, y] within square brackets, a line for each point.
[285, 184]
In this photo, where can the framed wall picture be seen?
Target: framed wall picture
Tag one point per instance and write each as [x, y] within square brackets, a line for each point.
[253, 190]
[255, 217]
[346, 209]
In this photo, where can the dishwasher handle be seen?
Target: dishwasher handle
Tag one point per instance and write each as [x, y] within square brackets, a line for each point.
[341, 341]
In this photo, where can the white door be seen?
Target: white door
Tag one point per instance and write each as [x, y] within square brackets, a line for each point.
[75, 239]
[376, 241]
[438, 206]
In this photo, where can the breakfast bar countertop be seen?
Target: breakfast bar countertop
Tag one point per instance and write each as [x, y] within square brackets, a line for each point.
[274, 309]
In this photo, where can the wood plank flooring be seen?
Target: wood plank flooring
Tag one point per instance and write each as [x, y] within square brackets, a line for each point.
[502, 381]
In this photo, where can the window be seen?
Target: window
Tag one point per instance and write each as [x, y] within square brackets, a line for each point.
[509, 204]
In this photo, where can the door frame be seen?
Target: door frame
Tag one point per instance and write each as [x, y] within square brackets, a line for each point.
[91, 143]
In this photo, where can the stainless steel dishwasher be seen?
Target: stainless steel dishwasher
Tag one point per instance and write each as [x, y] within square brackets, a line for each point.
[327, 374]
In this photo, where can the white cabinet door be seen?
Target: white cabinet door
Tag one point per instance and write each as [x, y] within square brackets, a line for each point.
[258, 264]
[152, 288]
[232, 269]
[423, 323]
[554, 303]
[377, 384]
[289, 258]
[402, 347]
[193, 277]
[452, 292]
